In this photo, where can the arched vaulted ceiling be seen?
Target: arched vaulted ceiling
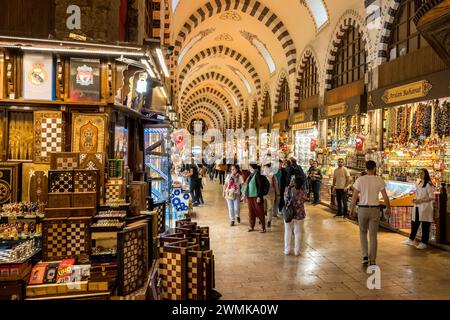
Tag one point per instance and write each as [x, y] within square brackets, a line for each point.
[228, 50]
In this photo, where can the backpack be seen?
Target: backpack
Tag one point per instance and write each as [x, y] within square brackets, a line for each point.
[266, 185]
[299, 173]
[288, 209]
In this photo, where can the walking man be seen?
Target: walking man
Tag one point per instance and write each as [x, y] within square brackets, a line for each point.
[368, 189]
[341, 183]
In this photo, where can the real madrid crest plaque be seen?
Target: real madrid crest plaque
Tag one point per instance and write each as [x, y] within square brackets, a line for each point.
[38, 76]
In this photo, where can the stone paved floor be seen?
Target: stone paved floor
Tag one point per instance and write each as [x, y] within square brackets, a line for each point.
[253, 266]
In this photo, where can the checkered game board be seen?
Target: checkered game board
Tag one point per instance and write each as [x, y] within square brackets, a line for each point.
[85, 181]
[61, 181]
[133, 250]
[64, 161]
[76, 238]
[172, 270]
[51, 136]
[55, 240]
[194, 275]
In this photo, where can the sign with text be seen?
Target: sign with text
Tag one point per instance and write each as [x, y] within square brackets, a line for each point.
[408, 91]
[337, 109]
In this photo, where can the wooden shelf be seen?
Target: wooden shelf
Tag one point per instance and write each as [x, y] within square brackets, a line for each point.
[51, 102]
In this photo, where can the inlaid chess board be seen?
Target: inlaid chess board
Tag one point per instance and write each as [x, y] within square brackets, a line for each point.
[61, 181]
[172, 270]
[64, 161]
[48, 135]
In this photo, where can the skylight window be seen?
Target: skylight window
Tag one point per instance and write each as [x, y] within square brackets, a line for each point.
[232, 95]
[265, 53]
[318, 11]
[188, 47]
[175, 4]
[242, 77]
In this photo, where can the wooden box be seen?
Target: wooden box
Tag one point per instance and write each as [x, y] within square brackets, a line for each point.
[64, 161]
[84, 199]
[10, 185]
[70, 212]
[60, 200]
[138, 193]
[12, 290]
[56, 289]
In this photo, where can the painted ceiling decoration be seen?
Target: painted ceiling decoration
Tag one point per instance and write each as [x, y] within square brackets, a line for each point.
[224, 37]
[231, 15]
[194, 40]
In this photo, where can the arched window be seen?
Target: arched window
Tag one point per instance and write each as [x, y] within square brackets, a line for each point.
[255, 115]
[308, 84]
[267, 107]
[350, 62]
[404, 36]
[283, 99]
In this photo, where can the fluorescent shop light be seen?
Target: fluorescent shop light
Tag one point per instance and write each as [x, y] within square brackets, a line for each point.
[118, 53]
[162, 62]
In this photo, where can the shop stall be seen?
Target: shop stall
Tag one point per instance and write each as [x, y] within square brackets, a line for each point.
[346, 134]
[73, 195]
[416, 135]
[305, 136]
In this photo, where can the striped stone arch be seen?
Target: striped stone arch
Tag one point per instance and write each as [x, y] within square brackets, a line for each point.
[211, 92]
[252, 113]
[233, 54]
[281, 78]
[208, 100]
[214, 76]
[266, 95]
[307, 53]
[251, 7]
[349, 19]
[383, 38]
[209, 120]
[209, 109]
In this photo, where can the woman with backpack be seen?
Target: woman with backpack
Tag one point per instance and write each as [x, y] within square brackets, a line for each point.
[254, 193]
[294, 215]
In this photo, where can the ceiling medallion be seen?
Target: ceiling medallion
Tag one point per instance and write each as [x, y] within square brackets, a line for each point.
[231, 15]
[224, 37]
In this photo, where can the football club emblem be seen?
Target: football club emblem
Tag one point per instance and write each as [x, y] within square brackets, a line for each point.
[37, 74]
[85, 75]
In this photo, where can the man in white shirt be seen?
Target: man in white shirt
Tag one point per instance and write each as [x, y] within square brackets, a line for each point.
[368, 189]
[341, 183]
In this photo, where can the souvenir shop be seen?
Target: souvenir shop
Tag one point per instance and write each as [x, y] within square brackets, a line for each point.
[84, 176]
[305, 136]
[416, 135]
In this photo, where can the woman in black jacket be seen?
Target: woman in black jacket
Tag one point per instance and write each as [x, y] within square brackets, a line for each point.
[254, 194]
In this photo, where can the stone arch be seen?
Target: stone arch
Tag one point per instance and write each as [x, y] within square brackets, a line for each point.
[253, 8]
[208, 91]
[283, 76]
[209, 101]
[307, 53]
[223, 50]
[349, 19]
[218, 77]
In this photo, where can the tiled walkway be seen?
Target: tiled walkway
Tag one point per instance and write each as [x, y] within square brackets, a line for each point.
[253, 266]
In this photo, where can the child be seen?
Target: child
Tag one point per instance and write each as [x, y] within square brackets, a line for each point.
[296, 197]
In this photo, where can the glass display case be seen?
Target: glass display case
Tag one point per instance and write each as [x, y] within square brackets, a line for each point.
[157, 161]
[397, 189]
[303, 153]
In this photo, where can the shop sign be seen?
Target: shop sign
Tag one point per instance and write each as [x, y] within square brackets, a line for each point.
[276, 126]
[409, 91]
[337, 109]
[299, 117]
